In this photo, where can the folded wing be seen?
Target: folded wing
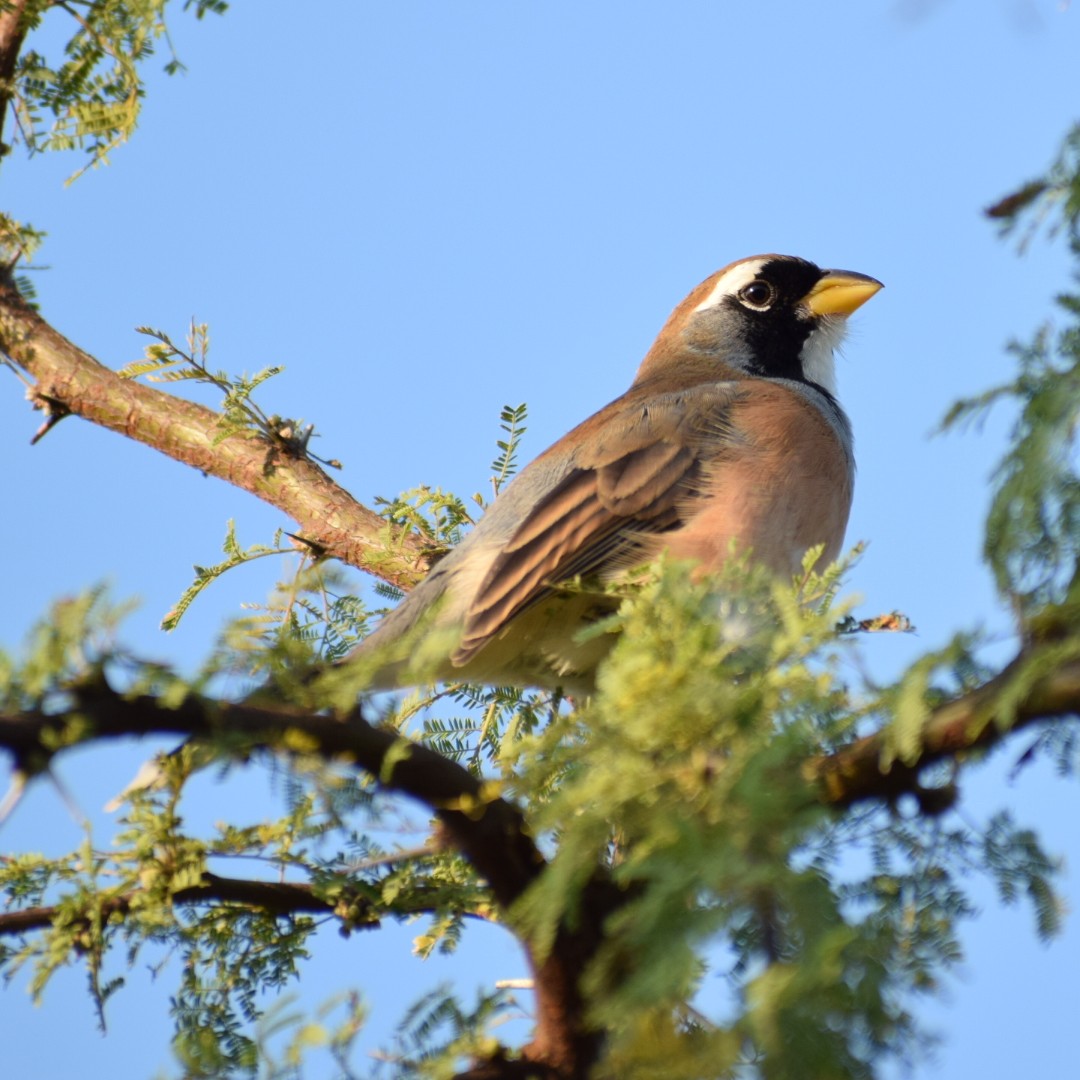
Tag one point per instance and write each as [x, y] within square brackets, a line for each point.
[639, 480]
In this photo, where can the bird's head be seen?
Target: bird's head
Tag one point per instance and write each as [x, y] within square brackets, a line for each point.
[769, 316]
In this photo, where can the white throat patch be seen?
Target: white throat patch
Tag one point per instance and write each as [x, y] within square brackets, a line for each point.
[818, 361]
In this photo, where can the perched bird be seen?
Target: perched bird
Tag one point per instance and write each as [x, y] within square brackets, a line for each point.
[730, 438]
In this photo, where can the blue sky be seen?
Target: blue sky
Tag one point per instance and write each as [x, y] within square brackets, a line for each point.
[425, 211]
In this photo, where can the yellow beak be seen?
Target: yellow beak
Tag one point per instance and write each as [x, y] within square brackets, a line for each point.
[840, 292]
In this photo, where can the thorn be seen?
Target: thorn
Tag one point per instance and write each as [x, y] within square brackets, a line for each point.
[315, 549]
[55, 410]
[45, 428]
[12, 797]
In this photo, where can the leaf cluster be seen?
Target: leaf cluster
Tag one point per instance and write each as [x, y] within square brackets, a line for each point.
[87, 92]
[1032, 537]
[166, 362]
[683, 776]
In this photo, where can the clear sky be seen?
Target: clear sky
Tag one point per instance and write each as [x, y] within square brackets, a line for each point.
[428, 210]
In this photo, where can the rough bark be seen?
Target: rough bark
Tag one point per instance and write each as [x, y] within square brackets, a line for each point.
[67, 380]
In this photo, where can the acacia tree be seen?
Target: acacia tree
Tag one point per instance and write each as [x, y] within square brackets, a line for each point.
[709, 794]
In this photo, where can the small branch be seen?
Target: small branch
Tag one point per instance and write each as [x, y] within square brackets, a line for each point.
[975, 721]
[276, 898]
[273, 897]
[330, 519]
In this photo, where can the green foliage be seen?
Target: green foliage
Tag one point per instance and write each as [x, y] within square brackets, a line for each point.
[229, 953]
[228, 960]
[1019, 865]
[504, 466]
[166, 362]
[495, 720]
[683, 775]
[335, 1026]
[90, 96]
[931, 680]
[205, 575]
[66, 647]
[311, 613]
[1051, 200]
[437, 1032]
[437, 517]
[18, 243]
[1033, 529]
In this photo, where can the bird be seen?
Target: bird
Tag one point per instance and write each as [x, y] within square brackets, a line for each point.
[729, 440]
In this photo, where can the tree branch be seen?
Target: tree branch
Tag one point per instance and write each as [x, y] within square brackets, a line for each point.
[976, 721]
[12, 33]
[329, 518]
[274, 897]
[490, 832]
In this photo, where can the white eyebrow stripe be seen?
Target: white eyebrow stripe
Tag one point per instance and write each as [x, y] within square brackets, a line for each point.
[731, 281]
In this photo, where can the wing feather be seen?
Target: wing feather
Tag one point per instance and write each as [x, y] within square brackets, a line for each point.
[639, 479]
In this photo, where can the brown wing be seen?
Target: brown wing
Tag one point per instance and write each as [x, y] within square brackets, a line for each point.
[636, 465]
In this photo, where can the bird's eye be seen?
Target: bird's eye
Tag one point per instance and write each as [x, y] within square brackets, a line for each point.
[758, 294]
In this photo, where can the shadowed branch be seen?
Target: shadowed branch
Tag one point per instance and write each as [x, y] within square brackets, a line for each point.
[976, 721]
[489, 831]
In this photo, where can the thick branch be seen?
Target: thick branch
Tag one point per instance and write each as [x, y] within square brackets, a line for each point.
[329, 518]
[501, 1068]
[490, 832]
[976, 721]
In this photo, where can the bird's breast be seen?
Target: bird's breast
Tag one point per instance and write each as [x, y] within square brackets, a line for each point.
[782, 486]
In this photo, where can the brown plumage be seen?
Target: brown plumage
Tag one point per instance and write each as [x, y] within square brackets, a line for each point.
[730, 437]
